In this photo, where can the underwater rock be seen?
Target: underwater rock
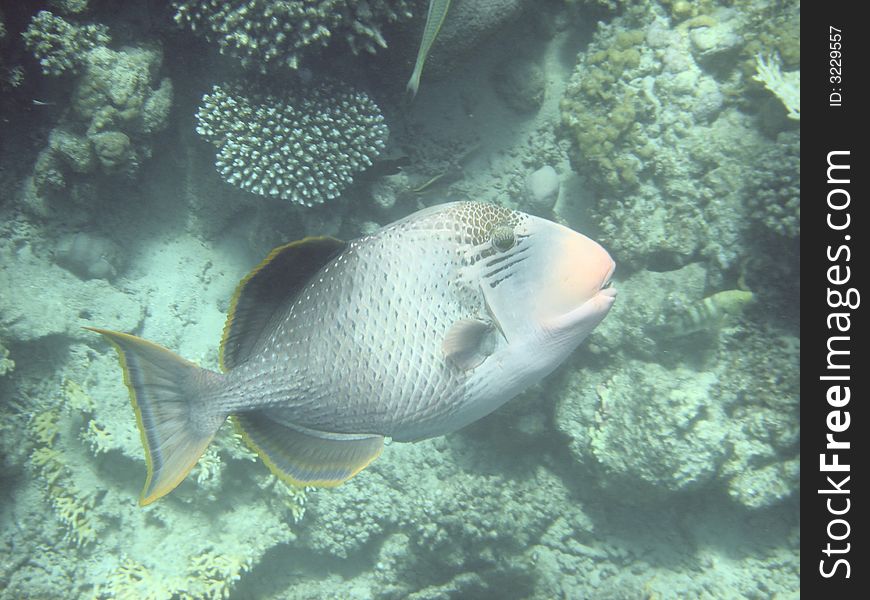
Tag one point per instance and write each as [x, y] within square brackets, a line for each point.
[48, 173]
[115, 85]
[112, 149]
[386, 190]
[521, 84]
[644, 299]
[118, 100]
[155, 110]
[717, 46]
[655, 431]
[65, 301]
[542, 189]
[469, 24]
[75, 150]
[708, 100]
[88, 256]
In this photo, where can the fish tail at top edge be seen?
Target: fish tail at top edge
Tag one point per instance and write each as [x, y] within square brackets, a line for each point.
[169, 396]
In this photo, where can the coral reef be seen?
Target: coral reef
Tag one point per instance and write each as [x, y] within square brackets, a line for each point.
[265, 35]
[661, 462]
[652, 115]
[775, 199]
[118, 103]
[713, 411]
[303, 147]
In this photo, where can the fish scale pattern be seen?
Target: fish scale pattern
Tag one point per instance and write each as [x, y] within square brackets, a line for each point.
[360, 349]
[305, 147]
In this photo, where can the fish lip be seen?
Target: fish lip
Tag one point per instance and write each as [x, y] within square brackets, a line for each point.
[603, 289]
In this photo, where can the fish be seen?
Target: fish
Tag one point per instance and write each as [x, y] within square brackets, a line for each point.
[710, 314]
[412, 332]
[434, 19]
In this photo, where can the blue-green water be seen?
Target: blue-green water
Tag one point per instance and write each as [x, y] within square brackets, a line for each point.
[151, 155]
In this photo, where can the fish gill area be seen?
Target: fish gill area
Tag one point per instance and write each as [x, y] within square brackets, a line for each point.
[151, 155]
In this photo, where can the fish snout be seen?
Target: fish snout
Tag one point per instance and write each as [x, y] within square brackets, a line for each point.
[580, 270]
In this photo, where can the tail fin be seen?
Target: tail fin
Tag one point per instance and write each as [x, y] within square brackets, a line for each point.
[167, 393]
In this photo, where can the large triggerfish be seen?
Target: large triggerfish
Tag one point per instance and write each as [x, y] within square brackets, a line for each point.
[411, 332]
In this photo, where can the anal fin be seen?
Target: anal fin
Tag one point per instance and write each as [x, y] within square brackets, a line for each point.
[304, 457]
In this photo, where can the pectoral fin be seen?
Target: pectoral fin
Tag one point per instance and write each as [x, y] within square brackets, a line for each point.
[468, 342]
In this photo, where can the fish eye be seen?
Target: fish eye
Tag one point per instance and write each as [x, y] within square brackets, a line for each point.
[503, 237]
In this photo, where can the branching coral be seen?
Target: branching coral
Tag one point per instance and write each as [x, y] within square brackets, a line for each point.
[132, 579]
[60, 46]
[72, 504]
[292, 497]
[214, 574]
[785, 86]
[264, 35]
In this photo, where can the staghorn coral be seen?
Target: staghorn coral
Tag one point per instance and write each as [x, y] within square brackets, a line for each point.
[71, 505]
[304, 147]
[291, 498]
[214, 573]
[131, 579]
[60, 46]
[265, 35]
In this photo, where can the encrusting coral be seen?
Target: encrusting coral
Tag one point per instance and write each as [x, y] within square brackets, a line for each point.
[118, 102]
[304, 147]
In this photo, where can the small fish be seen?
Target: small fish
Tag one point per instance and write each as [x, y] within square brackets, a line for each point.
[710, 314]
[415, 331]
[41, 103]
[434, 19]
[385, 167]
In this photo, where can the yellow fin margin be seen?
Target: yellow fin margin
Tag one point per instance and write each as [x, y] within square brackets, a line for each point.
[307, 458]
[156, 379]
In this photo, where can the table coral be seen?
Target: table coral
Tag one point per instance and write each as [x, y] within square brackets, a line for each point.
[305, 146]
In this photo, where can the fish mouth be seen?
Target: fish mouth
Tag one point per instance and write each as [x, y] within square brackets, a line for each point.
[606, 287]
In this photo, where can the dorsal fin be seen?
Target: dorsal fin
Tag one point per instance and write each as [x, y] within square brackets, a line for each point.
[267, 290]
